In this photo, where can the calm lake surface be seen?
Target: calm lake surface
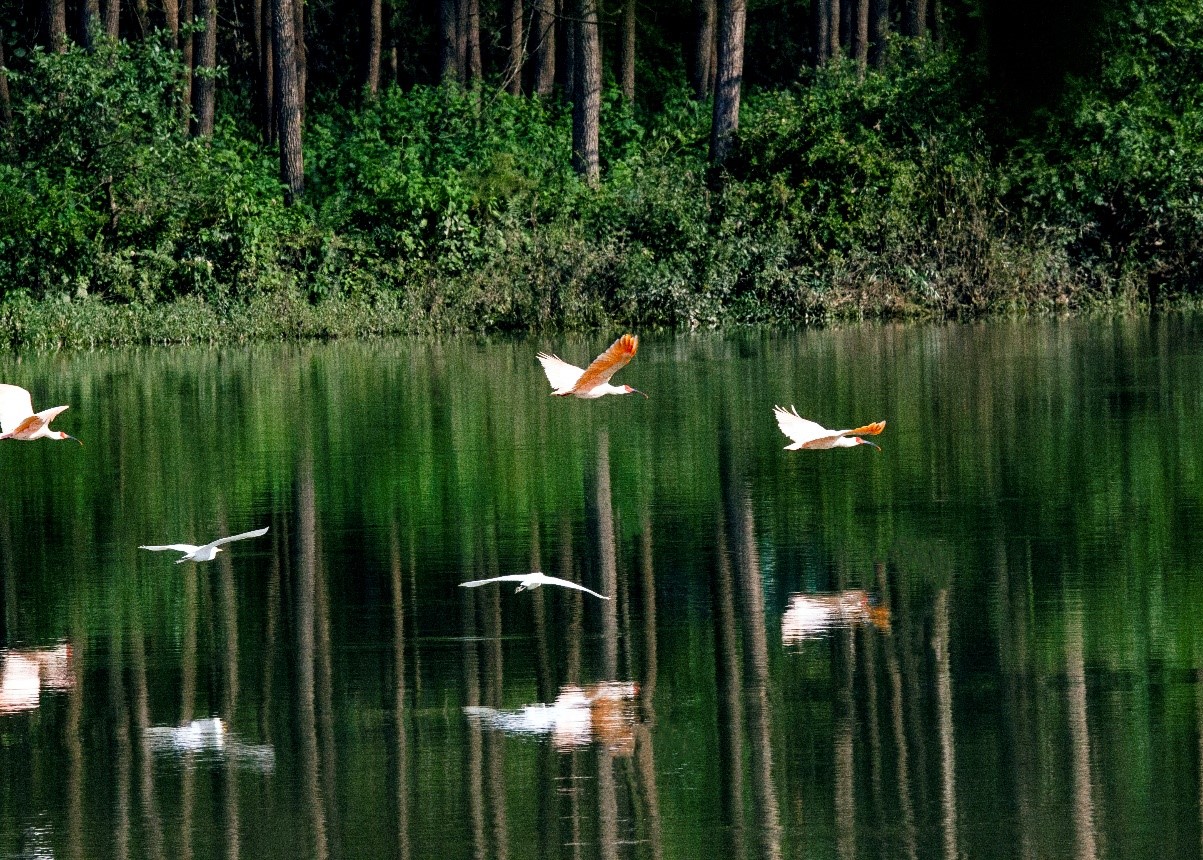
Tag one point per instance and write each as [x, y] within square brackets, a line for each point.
[985, 641]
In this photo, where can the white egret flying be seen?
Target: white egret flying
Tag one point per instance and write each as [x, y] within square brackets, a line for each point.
[532, 580]
[209, 551]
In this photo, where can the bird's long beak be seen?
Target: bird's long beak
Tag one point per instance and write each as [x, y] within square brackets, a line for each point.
[73, 439]
[637, 391]
[874, 444]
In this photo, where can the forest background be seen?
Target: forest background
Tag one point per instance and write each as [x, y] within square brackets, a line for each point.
[224, 169]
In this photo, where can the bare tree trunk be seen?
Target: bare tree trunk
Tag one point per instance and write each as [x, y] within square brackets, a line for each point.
[568, 37]
[833, 28]
[284, 42]
[204, 92]
[879, 29]
[6, 108]
[91, 21]
[461, 41]
[859, 48]
[914, 19]
[186, 52]
[112, 18]
[171, 19]
[448, 40]
[819, 26]
[473, 69]
[513, 65]
[586, 102]
[374, 46]
[56, 25]
[705, 12]
[628, 50]
[301, 56]
[266, 57]
[543, 27]
[732, 15]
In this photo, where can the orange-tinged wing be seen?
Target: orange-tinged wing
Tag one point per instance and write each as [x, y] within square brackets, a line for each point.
[30, 425]
[608, 363]
[868, 430]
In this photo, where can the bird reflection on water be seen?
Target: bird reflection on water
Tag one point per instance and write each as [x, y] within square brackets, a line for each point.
[209, 739]
[24, 673]
[604, 712]
[810, 616]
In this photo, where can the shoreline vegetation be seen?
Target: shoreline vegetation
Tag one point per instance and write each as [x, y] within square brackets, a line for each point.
[901, 192]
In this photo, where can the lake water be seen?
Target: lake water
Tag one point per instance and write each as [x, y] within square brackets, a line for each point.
[984, 641]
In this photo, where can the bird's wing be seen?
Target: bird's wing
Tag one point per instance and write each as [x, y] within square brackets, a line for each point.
[15, 407]
[509, 577]
[178, 547]
[868, 430]
[608, 363]
[560, 373]
[801, 430]
[568, 583]
[243, 536]
[48, 415]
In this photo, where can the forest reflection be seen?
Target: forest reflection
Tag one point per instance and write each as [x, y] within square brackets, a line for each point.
[788, 664]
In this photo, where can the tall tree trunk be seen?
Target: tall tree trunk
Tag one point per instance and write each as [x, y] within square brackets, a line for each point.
[473, 71]
[112, 18]
[186, 53]
[461, 41]
[859, 48]
[56, 25]
[92, 22]
[265, 89]
[732, 14]
[301, 56]
[568, 37]
[6, 108]
[819, 28]
[586, 101]
[448, 40]
[513, 64]
[374, 47]
[705, 12]
[879, 29]
[833, 28]
[628, 50]
[543, 32]
[171, 19]
[204, 90]
[284, 44]
[914, 19]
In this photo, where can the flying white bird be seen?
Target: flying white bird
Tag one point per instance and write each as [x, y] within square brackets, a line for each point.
[807, 434]
[531, 580]
[209, 551]
[594, 380]
[19, 421]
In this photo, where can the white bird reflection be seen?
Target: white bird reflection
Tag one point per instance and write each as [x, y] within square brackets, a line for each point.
[210, 740]
[604, 712]
[24, 673]
[810, 616]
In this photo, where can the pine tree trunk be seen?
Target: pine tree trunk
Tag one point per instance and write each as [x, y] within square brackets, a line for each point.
[265, 83]
[6, 108]
[628, 50]
[914, 19]
[56, 25]
[859, 48]
[586, 102]
[833, 28]
[186, 53]
[301, 58]
[732, 15]
[543, 27]
[204, 90]
[171, 19]
[91, 22]
[879, 30]
[513, 65]
[448, 40]
[374, 47]
[705, 13]
[473, 70]
[284, 44]
[568, 38]
[819, 24]
[112, 18]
